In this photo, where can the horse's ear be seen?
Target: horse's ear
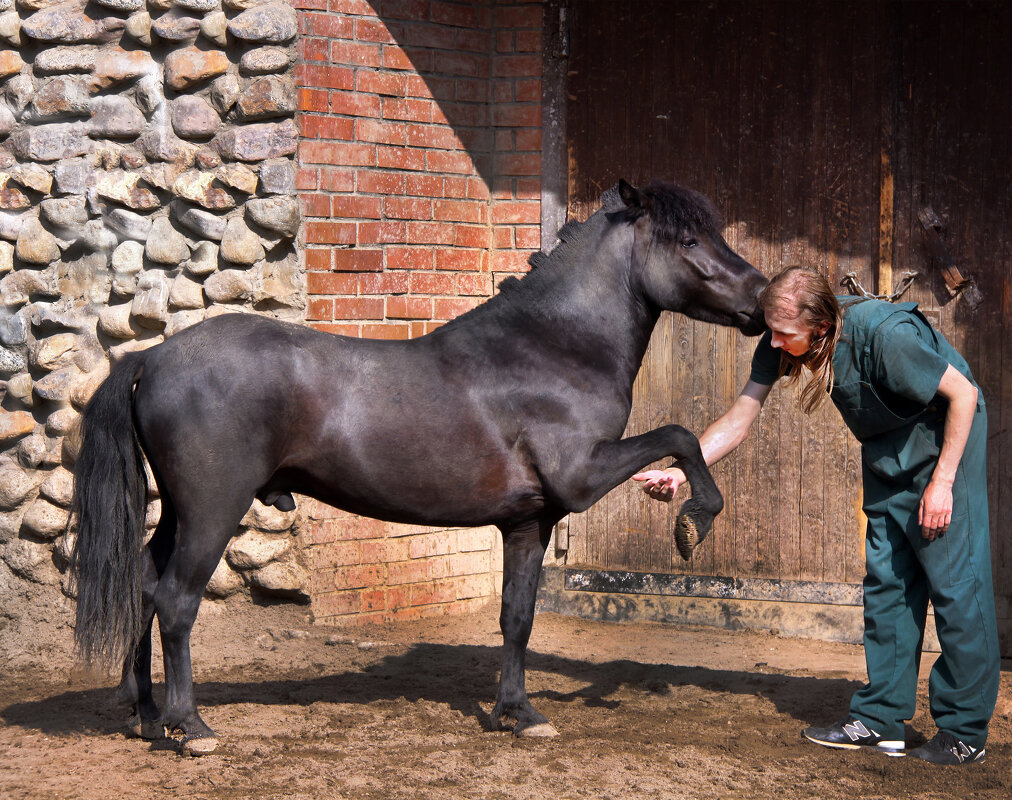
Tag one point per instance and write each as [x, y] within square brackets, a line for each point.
[630, 194]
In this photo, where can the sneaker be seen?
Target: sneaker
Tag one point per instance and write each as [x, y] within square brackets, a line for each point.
[852, 734]
[944, 748]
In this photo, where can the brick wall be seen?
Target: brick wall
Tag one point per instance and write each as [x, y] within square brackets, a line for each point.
[419, 175]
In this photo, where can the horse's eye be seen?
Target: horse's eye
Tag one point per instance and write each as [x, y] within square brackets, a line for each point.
[689, 242]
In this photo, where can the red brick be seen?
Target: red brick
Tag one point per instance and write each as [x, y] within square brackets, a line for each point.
[452, 14]
[407, 572]
[478, 283]
[313, 127]
[399, 597]
[319, 308]
[516, 212]
[410, 257]
[357, 207]
[432, 136]
[382, 132]
[525, 16]
[330, 232]
[407, 208]
[385, 83]
[504, 41]
[358, 260]
[315, 205]
[384, 232]
[528, 237]
[503, 92]
[516, 66]
[337, 180]
[419, 33]
[318, 259]
[424, 185]
[471, 91]
[355, 104]
[384, 282]
[306, 179]
[400, 158]
[411, 109]
[455, 186]
[355, 53]
[471, 236]
[314, 100]
[407, 9]
[328, 77]
[448, 162]
[336, 604]
[371, 182]
[503, 237]
[429, 233]
[477, 189]
[528, 139]
[374, 600]
[457, 259]
[510, 260]
[528, 189]
[459, 210]
[473, 41]
[314, 49]
[529, 42]
[518, 115]
[339, 153]
[388, 330]
[358, 308]
[328, 25]
[452, 307]
[336, 554]
[459, 64]
[337, 328]
[393, 57]
[373, 30]
[464, 115]
[527, 91]
[320, 5]
[357, 576]
[433, 283]
[331, 283]
[401, 307]
[519, 164]
[361, 8]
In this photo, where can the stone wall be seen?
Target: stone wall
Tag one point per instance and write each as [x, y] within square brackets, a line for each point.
[419, 171]
[147, 181]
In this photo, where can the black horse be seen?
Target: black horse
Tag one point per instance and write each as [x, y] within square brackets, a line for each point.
[511, 415]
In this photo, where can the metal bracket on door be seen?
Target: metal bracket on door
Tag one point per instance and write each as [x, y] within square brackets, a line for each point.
[853, 285]
[954, 280]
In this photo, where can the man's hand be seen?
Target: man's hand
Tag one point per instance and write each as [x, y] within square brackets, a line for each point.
[661, 484]
[935, 511]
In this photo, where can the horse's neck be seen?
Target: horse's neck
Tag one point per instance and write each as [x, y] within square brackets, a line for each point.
[594, 298]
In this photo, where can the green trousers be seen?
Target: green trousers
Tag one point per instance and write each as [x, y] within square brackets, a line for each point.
[904, 572]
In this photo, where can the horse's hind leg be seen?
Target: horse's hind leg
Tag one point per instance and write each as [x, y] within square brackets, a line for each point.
[205, 528]
[136, 688]
[523, 551]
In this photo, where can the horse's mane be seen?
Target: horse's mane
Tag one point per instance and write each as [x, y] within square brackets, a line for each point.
[673, 209]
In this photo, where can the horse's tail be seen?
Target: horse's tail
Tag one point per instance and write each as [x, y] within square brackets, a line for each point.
[110, 501]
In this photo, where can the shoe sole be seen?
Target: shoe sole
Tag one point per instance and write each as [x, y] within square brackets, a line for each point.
[893, 750]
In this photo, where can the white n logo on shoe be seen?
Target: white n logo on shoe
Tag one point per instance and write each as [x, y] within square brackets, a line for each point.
[857, 730]
[963, 751]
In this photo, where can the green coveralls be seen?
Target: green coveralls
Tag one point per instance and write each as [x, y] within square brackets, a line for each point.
[887, 367]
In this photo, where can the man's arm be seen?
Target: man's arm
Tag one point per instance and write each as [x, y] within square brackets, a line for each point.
[724, 435]
[935, 510]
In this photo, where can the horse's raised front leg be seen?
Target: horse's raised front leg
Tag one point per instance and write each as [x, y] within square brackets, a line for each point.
[586, 477]
[523, 551]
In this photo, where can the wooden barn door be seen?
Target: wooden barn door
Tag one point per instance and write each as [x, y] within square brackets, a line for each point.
[820, 130]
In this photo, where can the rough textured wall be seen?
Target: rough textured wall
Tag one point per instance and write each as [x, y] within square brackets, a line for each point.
[147, 181]
[419, 172]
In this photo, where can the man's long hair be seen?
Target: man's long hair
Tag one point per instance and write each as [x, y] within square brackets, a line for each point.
[804, 294]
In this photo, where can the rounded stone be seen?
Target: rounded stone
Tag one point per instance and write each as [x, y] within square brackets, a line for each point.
[193, 118]
[186, 293]
[11, 362]
[14, 425]
[36, 245]
[46, 520]
[116, 321]
[115, 117]
[190, 66]
[204, 259]
[281, 578]
[15, 486]
[258, 142]
[240, 245]
[225, 581]
[128, 257]
[56, 351]
[225, 92]
[229, 286]
[253, 550]
[11, 63]
[62, 421]
[264, 60]
[62, 96]
[203, 223]
[63, 59]
[175, 28]
[272, 96]
[122, 5]
[280, 214]
[165, 244]
[275, 23]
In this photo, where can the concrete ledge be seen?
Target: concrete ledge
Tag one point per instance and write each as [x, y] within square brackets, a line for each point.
[744, 605]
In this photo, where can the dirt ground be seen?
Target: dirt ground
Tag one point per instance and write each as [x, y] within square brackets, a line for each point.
[401, 711]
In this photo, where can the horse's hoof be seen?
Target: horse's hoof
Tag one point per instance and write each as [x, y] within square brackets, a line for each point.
[198, 745]
[686, 535]
[146, 729]
[540, 731]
